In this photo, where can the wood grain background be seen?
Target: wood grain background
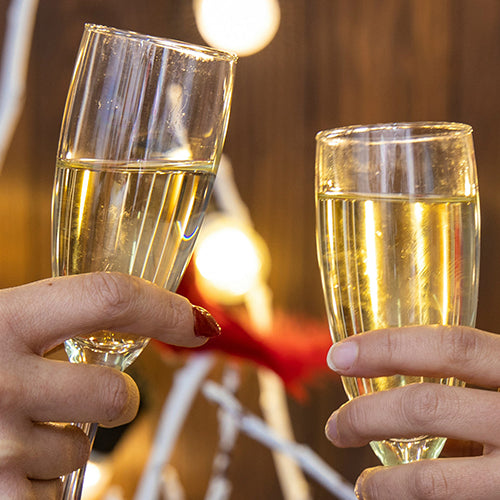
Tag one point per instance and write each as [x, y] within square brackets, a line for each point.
[332, 63]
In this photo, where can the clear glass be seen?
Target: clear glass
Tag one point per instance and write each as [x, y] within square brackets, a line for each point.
[398, 228]
[141, 138]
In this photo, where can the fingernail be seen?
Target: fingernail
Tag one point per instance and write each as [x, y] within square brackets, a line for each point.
[331, 427]
[204, 323]
[342, 356]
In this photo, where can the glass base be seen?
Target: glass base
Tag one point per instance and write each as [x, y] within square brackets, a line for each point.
[105, 348]
[403, 451]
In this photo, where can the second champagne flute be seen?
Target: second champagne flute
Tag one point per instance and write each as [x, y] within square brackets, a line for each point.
[398, 241]
[141, 138]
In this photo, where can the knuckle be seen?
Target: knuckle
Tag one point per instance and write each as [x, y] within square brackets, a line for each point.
[429, 482]
[113, 293]
[390, 344]
[420, 405]
[9, 317]
[12, 455]
[462, 346]
[177, 314]
[116, 396]
[17, 487]
[9, 390]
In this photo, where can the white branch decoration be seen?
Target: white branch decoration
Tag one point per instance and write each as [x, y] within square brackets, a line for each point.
[186, 384]
[171, 487]
[220, 487]
[256, 428]
[227, 195]
[21, 17]
[273, 399]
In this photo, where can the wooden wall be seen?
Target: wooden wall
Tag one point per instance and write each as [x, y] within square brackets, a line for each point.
[333, 62]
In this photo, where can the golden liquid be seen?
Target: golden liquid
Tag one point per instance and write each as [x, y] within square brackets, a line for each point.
[395, 261]
[140, 219]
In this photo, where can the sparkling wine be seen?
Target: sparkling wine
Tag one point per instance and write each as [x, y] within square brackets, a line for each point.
[140, 218]
[396, 260]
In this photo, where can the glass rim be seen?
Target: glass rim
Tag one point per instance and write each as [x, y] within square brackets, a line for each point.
[430, 130]
[197, 50]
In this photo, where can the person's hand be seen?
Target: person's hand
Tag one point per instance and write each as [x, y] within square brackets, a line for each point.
[35, 391]
[470, 414]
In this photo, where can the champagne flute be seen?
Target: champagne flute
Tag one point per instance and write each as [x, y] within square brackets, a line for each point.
[398, 221]
[141, 138]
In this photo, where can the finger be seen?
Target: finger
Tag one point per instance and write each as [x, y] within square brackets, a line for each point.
[459, 479]
[436, 351]
[56, 450]
[15, 486]
[415, 410]
[65, 392]
[47, 489]
[45, 313]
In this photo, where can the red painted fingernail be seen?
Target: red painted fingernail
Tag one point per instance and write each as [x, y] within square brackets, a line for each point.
[204, 323]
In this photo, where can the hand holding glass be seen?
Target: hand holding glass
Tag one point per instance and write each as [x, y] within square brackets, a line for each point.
[398, 241]
[142, 134]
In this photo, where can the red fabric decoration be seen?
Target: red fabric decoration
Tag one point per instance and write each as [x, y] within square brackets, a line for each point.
[295, 350]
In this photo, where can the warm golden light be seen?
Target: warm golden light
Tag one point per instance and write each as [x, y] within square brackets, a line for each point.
[96, 475]
[371, 259]
[446, 266]
[83, 196]
[92, 474]
[241, 26]
[421, 259]
[230, 259]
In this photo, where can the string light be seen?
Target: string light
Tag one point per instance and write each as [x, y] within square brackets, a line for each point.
[230, 259]
[241, 26]
[96, 474]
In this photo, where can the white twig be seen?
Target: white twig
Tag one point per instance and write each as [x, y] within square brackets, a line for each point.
[186, 384]
[274, 407]
[226, 193]
[171, 487]
[220, 487]
[260, 310]
[256, 428]
[273, 400]
[18, 35]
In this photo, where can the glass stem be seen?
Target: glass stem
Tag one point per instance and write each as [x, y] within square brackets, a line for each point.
[73, 483]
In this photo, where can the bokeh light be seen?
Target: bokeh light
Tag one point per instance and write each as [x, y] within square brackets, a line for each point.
[230, 259]
[241, 26]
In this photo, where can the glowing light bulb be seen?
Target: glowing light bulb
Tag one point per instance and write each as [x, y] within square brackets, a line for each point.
[241, 26]
[92, 475]
[230, 259]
